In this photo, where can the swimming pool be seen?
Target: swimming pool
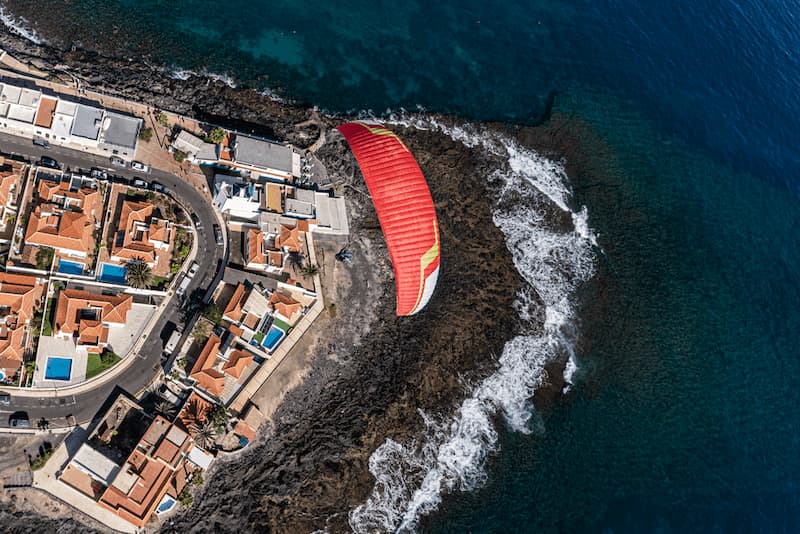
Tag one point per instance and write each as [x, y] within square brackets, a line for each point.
[274, 336]
[167, 503]
[113, 274]
[58, 368]
[70, 267]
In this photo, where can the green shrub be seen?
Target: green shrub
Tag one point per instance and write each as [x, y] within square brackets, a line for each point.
[185, 498]
[215, 136]
[162, 119]
[146, 134]
[44, 258]
[39, 462]
[179, 156]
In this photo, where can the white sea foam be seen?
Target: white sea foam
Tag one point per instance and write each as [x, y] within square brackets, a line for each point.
[177, 73]
[449, 454]
[19, 26]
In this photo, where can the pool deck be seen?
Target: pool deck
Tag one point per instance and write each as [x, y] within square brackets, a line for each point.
[50, 346]
[121, 340]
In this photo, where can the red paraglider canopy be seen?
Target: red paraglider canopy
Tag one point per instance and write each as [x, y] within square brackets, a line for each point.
[405, 210]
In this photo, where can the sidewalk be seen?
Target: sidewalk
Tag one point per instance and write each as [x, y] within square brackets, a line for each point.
[155, 153]
[126, 362]
[45, 480]
[266, 369]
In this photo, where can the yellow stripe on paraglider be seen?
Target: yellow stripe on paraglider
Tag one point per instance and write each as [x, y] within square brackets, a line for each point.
[380, 130]
[426, 259]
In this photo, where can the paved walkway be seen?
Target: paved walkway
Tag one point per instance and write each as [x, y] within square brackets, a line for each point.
[263, 373]
[46, 480]
[155, 153]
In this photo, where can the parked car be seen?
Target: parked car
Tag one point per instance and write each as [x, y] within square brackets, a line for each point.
[193, 269]
[157, 187]
[117, 161]
[49, 162]
[38, 141]
[218, 235]
[181, 291]
[19, 420]
[140, 183]
[139, 166]
[99, 174]
[5, 398]
[172, 342]
[196, 221]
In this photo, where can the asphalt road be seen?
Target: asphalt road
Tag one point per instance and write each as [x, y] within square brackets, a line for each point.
[69, 409]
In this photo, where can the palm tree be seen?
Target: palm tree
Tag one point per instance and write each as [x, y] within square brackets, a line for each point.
[139, 274]
[201, 332]
[193, 413]
[204, 434]
[165, 408]
[310, 270]
[295, 260]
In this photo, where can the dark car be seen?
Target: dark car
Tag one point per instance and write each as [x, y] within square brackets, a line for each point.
[38, 141]
[19, 420]
[99, 174]
[218, 235]
[5, 398]
[196, 221]
[49, 162]
[158, 188]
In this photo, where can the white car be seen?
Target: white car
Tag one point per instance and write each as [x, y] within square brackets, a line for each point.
[139, 166]
[193, 269]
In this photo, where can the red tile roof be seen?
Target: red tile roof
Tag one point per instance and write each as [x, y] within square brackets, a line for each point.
[71, 317]
[289, 238]
[203, 370]
[44, 115]
[20, 296]
[134, 223]
[153, 473]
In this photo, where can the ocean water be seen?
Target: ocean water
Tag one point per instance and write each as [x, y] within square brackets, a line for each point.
[682, 280]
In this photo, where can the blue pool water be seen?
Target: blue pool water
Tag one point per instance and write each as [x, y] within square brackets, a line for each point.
[111, 273]
[273, 337]
[166, 505]
[70, 267]
[58, 368]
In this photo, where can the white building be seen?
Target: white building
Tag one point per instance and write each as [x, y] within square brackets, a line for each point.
[29, 113]
[259, 157]
[236, 198]
[197, 150]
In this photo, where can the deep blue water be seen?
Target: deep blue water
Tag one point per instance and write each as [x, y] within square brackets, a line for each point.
[685, 413]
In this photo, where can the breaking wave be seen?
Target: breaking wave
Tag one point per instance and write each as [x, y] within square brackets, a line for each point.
[449, 455]
[19, 26]
[177, 73]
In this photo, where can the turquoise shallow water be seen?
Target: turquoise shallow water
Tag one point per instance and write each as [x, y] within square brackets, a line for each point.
[684, 413]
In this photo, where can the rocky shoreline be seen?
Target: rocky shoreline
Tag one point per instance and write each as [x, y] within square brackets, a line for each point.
[368, 380]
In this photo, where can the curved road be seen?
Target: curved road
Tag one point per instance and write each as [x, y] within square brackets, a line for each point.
[77, 409]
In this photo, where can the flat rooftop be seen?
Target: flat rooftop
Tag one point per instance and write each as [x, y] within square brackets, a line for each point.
[263, 154]
[87, 122]
[120, 130]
